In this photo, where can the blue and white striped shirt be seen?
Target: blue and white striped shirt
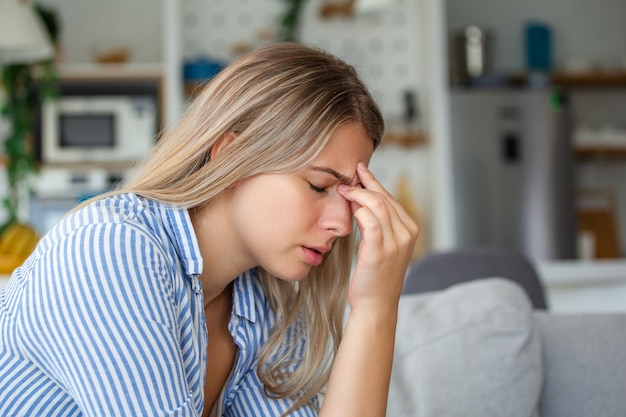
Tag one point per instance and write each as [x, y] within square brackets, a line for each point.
[106, 318]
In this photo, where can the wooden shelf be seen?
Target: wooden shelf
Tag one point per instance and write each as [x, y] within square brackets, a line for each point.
[332, 9]
[90, 71]
[405, 138]
[600, 152]
[592, 79]
[595, 79]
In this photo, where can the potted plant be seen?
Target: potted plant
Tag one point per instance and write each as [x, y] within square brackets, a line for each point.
[21, 91]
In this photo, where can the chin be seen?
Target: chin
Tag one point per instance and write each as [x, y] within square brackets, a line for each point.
[294, 275]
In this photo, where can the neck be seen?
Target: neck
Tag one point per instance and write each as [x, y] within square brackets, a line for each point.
[220, 303]
[222, 252]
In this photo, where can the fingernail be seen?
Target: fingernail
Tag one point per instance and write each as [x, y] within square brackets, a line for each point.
[361, 166]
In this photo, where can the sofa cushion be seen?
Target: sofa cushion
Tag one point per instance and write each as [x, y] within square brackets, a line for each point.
[470, 350]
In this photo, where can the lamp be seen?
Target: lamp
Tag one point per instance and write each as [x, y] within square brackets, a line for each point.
[23, 37]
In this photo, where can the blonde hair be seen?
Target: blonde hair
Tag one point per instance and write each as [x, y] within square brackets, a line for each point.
[283, 101]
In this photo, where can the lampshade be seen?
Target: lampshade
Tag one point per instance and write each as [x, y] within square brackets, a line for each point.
[23, 36]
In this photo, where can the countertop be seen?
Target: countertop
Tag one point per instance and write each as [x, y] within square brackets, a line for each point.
[556, 274]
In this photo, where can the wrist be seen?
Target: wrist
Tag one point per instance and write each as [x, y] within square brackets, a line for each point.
[374, 314]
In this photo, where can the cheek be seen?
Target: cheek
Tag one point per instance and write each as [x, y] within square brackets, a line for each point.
[277, 205]
[274, 203]
[294, 212]
[291, 209]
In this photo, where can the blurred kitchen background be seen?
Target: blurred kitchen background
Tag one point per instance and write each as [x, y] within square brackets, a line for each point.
[506, 119]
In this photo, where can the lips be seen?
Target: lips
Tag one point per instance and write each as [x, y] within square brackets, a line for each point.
[313, 256]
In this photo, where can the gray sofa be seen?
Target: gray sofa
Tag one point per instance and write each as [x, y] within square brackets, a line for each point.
[480, 349]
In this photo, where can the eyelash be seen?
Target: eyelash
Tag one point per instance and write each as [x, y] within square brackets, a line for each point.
[317, 189]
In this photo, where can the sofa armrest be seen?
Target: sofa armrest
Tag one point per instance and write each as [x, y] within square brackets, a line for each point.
[584, 361]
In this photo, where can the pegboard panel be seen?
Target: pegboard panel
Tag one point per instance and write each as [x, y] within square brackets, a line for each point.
[385, 48]
[216, 28]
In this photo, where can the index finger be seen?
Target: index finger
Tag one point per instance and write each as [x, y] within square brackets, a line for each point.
[369, 181]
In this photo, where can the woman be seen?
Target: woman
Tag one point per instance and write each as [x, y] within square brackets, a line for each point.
[214, 280]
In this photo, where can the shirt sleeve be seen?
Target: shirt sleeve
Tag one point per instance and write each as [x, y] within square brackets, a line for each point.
[101, 320]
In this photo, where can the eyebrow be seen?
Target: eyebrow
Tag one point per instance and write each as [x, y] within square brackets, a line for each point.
[342, 178]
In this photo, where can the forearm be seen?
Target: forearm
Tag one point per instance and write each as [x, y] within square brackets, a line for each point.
[359, 380]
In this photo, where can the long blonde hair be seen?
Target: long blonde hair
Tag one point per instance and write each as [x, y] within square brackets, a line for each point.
[283, 101]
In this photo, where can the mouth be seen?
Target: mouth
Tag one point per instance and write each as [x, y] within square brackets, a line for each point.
[313, 256]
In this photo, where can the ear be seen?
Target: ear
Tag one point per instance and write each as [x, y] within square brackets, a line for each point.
[222, 142]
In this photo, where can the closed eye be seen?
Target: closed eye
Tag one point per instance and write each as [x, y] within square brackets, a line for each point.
[317, 189]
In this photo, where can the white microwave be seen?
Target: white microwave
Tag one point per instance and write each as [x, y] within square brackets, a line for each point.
[98, 128]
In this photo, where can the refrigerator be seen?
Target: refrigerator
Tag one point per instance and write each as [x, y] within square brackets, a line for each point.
[514, 171]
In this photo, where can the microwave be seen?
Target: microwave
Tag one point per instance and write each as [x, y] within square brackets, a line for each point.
[97, 128]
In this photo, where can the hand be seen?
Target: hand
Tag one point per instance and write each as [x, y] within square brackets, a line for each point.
[388, 235]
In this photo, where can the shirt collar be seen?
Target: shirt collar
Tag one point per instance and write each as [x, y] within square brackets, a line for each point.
[249, 299]
[178, 226]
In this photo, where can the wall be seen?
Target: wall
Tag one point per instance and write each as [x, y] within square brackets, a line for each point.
[91, 25]
[385, 49]
[588, 30]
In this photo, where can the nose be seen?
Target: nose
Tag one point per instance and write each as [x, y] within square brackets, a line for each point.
[337, 216]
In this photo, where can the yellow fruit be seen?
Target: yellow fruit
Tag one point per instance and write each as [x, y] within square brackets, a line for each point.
[25, 243]
[32, 244]
[9, 236]
[17, 242]
[8, 263]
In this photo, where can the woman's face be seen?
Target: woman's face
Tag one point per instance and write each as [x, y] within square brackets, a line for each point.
[285, 223]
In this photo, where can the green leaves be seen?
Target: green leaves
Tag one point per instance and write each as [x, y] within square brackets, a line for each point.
[290, 20]
[23, 92]
[19, 109]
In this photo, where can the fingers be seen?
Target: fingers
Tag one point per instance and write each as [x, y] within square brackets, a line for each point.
[370, 182]
[378, 200]
[383, 222]
[388, 235]
[373, 212]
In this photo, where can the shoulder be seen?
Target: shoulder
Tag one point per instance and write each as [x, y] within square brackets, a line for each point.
[110, 252]
[103, 222]
[116, 238]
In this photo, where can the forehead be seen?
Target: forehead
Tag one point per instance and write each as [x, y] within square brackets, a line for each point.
[348, 145]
